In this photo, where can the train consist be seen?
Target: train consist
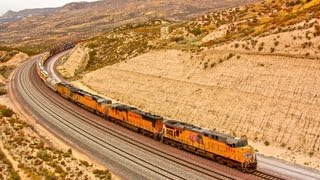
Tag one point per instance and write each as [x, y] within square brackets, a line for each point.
[225, 149]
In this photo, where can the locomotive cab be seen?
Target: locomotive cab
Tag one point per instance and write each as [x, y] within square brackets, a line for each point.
[246, 153]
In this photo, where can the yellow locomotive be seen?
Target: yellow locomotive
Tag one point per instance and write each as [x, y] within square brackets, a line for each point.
[143, 122]
[234, 152]
[94, 103]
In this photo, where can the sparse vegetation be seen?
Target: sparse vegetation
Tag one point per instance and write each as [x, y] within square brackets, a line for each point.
[267, 143]
[230, 55]
[205, 65]
[272, 49]
[311, 153]
[36, 159]
[6, 169]
[5, 70]
[6, 112]
[196, 32]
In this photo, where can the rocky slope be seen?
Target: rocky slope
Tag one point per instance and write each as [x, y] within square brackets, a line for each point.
[229, 70]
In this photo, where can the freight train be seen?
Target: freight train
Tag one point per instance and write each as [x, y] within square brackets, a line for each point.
[225, 149]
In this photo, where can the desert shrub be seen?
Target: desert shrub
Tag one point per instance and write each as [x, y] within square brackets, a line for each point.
[177, 38]
[205, 65]
[14, 176]
[267, 143]
[58, 169]
[260, 48]
[276, 43]
[196, 32]
[306, 44]
[6, 112]
[272, 50]
[5, 71]
[236, 45]
[44, 155]
[230, 55]
[85, 163]
[105, 174]
[3, 91]
[70, 151]
[311, 153]
[307, 54]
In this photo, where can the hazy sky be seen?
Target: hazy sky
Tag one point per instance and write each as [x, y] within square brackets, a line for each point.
[15, 5]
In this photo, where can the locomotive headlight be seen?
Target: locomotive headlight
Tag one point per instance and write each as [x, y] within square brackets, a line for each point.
[247, 155]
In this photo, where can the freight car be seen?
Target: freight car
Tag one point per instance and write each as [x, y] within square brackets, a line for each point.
[225, 149]
[61, 47]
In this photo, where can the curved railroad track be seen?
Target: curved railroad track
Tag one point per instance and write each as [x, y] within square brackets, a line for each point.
[32, 91]
[72, 122]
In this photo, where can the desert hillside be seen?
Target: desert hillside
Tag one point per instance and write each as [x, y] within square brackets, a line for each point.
[248, 71]
[9, 59]
[38, 29]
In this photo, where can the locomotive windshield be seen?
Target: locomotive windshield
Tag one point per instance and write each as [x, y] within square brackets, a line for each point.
[242, 143]
[238, 143]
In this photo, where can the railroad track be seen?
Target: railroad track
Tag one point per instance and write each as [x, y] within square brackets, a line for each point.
[262, 175]
[103, 143]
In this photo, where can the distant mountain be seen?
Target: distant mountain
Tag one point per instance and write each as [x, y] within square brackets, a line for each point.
[12, 16]
[85, 19]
